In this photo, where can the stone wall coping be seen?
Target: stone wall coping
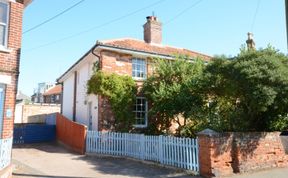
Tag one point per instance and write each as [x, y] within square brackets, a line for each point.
[207, 132]
[212, 133]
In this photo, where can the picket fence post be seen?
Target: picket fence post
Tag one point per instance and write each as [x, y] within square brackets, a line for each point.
[160, 149]
[142, 146]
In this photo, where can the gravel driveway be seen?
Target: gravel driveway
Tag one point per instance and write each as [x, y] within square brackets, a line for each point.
[52, 160]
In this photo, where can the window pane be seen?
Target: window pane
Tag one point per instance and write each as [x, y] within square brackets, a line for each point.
[138, 68]
[140, 111]
[3, 12]
[2, 35]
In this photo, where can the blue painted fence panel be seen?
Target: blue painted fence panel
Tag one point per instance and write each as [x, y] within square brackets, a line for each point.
[34, 133]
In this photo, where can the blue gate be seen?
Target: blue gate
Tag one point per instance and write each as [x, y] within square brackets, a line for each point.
[34, 133]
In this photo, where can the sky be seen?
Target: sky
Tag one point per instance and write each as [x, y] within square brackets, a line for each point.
[212, 27]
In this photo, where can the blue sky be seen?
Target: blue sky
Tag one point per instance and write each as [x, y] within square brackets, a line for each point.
[212, 27]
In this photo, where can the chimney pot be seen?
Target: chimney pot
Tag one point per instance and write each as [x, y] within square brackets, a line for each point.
[250, 42]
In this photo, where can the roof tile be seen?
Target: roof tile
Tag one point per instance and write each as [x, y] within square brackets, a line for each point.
[139, 45]
[54, 90]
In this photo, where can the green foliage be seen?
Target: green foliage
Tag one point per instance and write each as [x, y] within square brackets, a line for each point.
[248, 92]
[173, 93]
[121, 92]
[280, 123]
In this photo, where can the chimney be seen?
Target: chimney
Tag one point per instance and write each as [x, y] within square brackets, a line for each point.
[250, 42]
[152, 30]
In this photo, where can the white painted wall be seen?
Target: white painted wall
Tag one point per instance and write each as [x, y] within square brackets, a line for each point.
[18, 113]
[84, 72]
[68, 92]
[81, 101]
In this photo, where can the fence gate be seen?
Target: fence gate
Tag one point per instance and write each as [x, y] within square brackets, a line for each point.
[33, 133]
[173, 151]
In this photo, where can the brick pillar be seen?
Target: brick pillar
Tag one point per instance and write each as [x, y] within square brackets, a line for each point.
[215, 153]
[204, 143]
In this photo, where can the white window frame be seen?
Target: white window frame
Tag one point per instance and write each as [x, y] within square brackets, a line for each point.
[5, 46]
[146, 114]
[135, 71]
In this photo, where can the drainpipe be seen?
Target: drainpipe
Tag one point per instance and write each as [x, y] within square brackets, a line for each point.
[61, 98]
[92, 51]
[75, 96]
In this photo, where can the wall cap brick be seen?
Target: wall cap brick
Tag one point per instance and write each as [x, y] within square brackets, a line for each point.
[207, 132]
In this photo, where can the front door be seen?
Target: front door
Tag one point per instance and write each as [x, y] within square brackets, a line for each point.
[90, 115]
[2, 96]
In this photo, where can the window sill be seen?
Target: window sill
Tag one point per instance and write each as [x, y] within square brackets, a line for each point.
[5, 50]
[140, 126]
[139, 79]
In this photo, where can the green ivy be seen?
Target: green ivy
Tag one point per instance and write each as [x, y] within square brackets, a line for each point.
[121, 92]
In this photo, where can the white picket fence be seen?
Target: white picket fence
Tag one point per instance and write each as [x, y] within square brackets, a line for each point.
[5, 152]
[173, 151]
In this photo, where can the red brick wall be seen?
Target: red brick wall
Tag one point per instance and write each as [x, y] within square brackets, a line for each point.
[121, 64]
[228, 153]
[106, 117]
[9, 64]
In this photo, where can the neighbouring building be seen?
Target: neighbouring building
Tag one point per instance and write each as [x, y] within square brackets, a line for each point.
[11, 12]
[53, 95]
[22, 98]
[124, 56]
[38, 97]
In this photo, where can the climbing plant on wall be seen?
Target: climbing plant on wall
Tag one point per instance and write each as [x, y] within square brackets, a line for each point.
[120, 91]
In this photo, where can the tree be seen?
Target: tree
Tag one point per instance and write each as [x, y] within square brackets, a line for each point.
[172, 93]
[121, 93]
[249, 92]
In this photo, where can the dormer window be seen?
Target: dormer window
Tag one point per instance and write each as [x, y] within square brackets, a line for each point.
[139, 70]
[4, 19]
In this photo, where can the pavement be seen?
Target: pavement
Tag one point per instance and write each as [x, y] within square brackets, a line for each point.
[269, 173]
[52, 160]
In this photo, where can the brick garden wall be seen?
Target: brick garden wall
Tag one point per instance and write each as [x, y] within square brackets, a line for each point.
[228, 153]
[37, 113]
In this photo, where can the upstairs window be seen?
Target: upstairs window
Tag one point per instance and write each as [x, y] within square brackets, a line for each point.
[139, 68]
[4, 16]
[140, 110]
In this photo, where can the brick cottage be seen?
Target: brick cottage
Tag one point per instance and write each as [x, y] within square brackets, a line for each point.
[124, 56]
[11, 12]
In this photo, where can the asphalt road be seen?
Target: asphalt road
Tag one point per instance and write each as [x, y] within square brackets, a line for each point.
[52, 160]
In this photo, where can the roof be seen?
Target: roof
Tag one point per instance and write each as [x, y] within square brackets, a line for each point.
[142, 46]
[27, 2]
[130, 45]
[22, 96]
[57, 89]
